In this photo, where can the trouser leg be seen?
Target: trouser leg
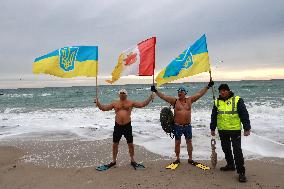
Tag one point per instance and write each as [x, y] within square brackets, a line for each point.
[226, 147]
[238, 154]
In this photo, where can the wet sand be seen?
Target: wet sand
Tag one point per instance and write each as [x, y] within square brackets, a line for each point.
[35, 163]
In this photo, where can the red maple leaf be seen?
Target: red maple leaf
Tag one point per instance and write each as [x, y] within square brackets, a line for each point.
[131, 58]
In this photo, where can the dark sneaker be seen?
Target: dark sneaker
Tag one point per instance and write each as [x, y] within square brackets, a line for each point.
[242, 177]
[227, 168]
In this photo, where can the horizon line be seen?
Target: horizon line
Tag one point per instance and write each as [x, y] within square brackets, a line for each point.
[171, 83]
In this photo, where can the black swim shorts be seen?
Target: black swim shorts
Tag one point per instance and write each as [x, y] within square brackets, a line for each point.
[120, 130]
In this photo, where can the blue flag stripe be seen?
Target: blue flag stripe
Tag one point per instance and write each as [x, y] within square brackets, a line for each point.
[84, 53]
[199, 46]
[54, 53]
[184, 60]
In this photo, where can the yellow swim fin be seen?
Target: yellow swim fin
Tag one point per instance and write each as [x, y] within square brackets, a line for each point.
[173, 165]
[200, 165]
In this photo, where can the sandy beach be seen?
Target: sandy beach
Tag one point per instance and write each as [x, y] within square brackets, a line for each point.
[34, 163]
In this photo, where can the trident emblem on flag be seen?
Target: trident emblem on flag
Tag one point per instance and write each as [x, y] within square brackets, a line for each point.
[67, 57]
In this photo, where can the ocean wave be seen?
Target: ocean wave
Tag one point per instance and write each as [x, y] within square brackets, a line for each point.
[250, 86]
[45, 94]
[14, 110]
[92, 124]
[19, 95]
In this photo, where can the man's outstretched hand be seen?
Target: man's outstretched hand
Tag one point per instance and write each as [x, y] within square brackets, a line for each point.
[96, 101]
[152, 96]
[153, 88]
[246, 132]
[210, 84]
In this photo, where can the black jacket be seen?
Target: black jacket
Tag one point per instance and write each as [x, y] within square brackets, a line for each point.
[242, 111]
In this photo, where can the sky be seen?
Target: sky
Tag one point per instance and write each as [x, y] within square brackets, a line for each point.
[245, 38]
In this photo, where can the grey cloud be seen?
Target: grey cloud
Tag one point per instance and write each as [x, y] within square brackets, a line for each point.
[237, 30]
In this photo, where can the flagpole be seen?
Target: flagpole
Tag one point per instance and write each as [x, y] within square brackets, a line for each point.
[153, 76]
[213, 93]
[96, 87]
[214, 159]
[97, 79]
[154, 65]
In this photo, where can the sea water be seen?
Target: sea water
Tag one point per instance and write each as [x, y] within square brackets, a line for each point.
[68, 112]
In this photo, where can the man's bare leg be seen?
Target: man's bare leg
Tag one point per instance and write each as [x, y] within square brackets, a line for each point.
[177, 148]
[114, 151]
[131, 151]
[189, 149]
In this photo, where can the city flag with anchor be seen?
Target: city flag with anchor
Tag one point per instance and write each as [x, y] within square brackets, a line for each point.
[69, 62]
[190, 62]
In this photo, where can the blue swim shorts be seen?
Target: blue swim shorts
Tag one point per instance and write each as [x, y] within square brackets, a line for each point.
[180, 130]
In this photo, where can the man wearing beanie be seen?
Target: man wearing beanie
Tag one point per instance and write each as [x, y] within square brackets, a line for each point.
[229, 113]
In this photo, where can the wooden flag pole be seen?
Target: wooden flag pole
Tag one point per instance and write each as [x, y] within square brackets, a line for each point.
[97, 81]
[153, 76]
[213, 156]
[154, 65]
[153, 81]
[96, 87]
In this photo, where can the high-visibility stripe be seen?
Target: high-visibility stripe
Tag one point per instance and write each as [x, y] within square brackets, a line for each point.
[227, 112]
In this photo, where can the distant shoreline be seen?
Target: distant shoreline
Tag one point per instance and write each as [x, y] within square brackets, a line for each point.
[77, 85]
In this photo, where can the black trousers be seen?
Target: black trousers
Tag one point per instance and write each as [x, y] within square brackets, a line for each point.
[228, 139]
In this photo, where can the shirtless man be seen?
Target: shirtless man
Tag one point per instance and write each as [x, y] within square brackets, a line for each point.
[182, 116]
[123, 108]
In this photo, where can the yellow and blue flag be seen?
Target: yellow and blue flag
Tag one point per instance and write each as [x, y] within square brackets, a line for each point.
[190, 62]
[69, 62]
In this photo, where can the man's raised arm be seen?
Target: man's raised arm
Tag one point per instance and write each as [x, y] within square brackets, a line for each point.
[168, 99]
[104, 107]
[144, 103]
[200, 93]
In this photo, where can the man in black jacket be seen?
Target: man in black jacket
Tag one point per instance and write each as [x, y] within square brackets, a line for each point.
[228, 114]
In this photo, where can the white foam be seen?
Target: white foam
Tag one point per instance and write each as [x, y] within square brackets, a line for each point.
[262, 146]
[45, 94]
[93, 124]
[19, 95]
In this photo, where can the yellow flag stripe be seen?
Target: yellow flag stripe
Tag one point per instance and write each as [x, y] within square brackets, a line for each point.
[50, 65]
[201, 64]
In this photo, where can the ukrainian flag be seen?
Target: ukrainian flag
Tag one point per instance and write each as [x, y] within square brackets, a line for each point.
[190, 62]
[69, 62]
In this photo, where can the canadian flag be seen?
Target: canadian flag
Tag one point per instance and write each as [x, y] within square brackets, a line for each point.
[138, 60]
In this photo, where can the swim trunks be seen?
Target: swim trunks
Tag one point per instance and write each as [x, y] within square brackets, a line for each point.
[180, 130]
[125, 130]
